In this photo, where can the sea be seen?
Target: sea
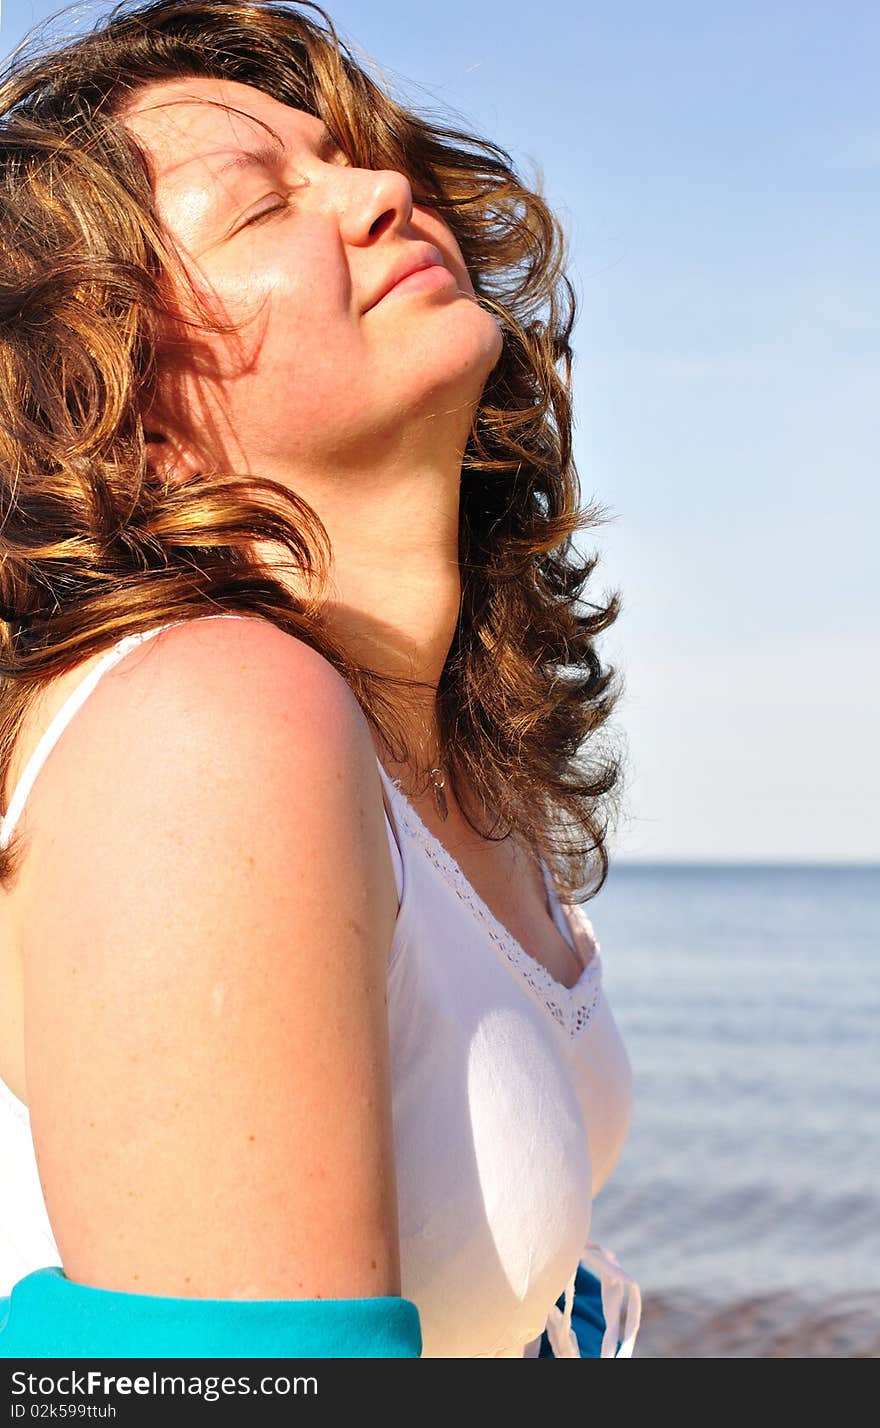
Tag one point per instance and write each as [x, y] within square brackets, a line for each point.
[746, 1202]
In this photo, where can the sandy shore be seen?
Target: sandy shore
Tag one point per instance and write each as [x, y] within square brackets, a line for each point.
[770, 1326]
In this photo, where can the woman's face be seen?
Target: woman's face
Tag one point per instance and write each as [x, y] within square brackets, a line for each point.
[301, 243]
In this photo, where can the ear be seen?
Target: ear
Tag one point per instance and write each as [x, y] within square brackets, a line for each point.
[169, 457]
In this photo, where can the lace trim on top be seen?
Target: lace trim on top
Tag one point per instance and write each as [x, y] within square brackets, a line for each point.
[571, 1007]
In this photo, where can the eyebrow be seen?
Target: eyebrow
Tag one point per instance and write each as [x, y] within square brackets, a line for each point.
[270, 152]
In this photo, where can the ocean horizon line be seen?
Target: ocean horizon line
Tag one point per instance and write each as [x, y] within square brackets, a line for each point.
[745, 864]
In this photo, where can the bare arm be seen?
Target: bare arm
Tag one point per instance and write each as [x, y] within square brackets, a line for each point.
[204, 978]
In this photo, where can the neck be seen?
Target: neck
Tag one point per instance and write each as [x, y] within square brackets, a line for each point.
[394, 588]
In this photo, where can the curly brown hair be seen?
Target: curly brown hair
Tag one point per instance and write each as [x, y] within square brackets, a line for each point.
[94, 547]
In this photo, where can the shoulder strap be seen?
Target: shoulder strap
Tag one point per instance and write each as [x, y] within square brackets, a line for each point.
[74, 702]
[395, 836]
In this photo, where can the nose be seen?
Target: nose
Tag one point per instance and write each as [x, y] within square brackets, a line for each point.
[380, 200]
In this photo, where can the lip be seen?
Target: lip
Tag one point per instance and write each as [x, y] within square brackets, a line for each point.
[423, 256]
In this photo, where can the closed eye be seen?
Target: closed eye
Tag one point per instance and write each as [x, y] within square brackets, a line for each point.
[265, 213]
[336, 157]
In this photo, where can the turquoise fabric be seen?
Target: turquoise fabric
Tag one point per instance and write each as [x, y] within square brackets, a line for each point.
[48, 1315]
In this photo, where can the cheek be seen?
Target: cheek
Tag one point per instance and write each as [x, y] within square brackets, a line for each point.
[292, 323]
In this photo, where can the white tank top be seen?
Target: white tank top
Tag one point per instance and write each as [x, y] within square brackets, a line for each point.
[511, 1100]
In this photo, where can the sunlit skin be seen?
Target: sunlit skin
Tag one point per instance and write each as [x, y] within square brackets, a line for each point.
[365, 414]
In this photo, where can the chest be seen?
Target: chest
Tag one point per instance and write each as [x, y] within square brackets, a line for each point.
[494, 1169]
[510, 1101]
[500, 878]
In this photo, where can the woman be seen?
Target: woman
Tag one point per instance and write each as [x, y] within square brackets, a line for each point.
[291, 908]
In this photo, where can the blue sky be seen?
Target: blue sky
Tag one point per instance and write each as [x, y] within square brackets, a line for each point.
[716, 169]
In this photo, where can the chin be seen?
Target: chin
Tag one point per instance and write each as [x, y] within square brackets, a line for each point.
[471, 350]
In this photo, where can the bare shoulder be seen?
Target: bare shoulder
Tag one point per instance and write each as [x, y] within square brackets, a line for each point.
[240, 693]
[203, 976]
[227, 662]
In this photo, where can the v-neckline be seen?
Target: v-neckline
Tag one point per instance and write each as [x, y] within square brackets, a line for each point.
[570, 1006]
